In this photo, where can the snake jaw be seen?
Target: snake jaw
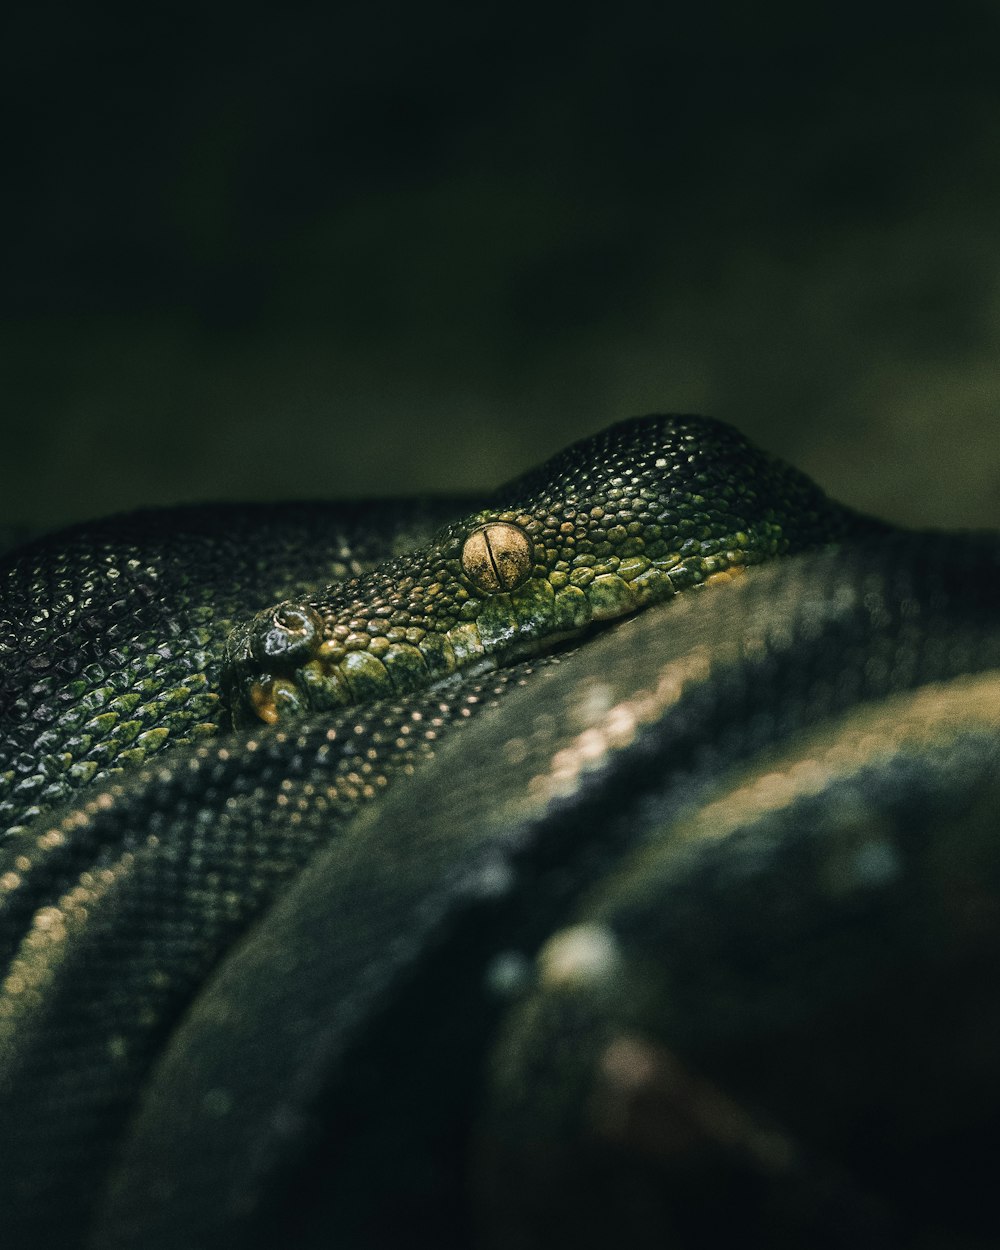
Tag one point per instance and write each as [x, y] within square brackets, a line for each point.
[382, 670]
[293, 660]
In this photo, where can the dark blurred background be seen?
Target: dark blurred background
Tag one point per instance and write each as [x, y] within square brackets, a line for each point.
[320, 250]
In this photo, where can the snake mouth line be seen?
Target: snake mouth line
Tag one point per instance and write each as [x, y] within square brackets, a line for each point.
[383, 670]
[367, 676]
[291, 669]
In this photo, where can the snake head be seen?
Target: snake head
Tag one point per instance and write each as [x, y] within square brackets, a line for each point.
[630, 517]
[461, 604]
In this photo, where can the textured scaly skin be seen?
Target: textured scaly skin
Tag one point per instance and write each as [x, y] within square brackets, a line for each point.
[332, 1073]
[625, 519]
[114, 635]
[115, 908]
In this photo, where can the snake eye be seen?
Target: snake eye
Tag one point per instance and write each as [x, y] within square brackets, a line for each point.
[497, 556]
[286, 632]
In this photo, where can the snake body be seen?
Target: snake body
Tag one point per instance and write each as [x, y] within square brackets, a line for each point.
[457, 936]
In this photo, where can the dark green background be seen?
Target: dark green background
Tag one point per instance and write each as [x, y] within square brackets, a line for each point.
[319, 250]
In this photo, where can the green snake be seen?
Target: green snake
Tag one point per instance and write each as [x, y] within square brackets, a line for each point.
[534, 870]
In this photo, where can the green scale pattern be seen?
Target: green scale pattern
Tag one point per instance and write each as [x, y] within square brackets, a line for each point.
[293, 983]
[113, 635]
[625, 519]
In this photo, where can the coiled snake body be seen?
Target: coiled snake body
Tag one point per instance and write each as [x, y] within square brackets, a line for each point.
[536, 871]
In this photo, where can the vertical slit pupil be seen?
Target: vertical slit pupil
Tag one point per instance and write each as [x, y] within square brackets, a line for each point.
[501, 582]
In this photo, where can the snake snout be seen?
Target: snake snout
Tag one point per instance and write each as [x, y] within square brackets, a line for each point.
[286, 634]
[269, 657]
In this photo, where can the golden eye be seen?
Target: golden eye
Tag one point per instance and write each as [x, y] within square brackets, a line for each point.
[496, 557]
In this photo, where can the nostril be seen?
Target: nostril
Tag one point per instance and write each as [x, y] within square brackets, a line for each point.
[286, 632]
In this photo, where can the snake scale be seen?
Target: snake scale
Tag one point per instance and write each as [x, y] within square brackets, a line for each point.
[611, 861]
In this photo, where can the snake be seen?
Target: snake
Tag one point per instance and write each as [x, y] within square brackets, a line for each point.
[610, 860]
